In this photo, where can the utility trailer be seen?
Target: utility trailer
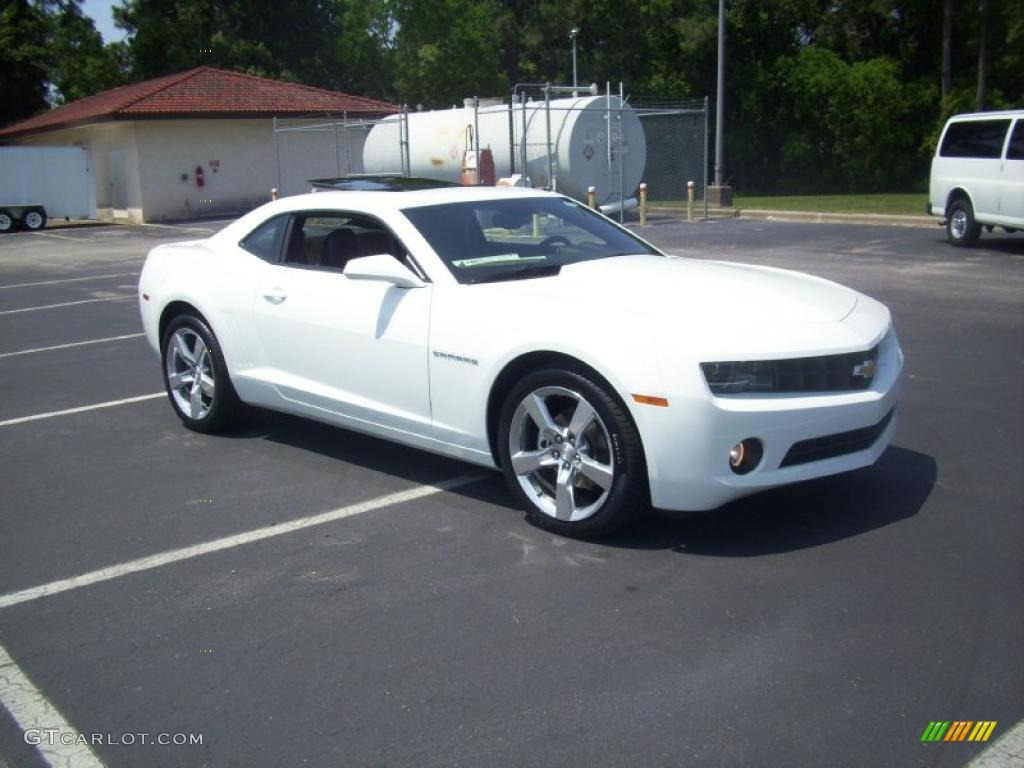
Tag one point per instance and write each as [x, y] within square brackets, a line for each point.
[42, 183]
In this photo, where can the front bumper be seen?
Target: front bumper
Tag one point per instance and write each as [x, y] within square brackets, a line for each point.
[688, 443]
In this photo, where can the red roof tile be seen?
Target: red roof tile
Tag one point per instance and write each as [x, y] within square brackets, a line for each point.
[199, 92]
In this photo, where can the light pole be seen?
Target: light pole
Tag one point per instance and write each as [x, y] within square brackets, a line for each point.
[572, 36]
[719, 193]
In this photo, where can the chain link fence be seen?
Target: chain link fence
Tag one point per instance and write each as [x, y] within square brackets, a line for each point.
[324, 146]
[597, 146]
[677, 152]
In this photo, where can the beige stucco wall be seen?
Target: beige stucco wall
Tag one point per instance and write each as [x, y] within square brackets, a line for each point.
[169, 149]
[239, 162]
[245, 163]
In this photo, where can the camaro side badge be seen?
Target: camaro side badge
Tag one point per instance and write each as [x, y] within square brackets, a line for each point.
[455, 358]
[865, 370]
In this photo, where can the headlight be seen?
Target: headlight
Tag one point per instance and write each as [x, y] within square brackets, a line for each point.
[826, 373]
[734, 377]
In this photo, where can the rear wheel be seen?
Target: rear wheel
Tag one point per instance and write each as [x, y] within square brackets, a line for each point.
[570, 451]
[196, 376]
[33, 219]
[961, 228]
[7, 221]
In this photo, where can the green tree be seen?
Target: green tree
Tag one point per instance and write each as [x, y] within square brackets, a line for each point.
[364, 52]
[341, 44]
[82, 64]
[851, 126]
[25, 60]
[447, 50]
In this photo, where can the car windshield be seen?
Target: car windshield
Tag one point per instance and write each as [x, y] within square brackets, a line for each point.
[489, 240]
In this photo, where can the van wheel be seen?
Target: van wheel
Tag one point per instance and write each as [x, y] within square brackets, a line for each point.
[961, 228]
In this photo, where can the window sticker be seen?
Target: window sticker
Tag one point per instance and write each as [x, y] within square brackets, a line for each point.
[501, 258]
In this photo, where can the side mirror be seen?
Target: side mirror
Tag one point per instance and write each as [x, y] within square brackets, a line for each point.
[383, 267]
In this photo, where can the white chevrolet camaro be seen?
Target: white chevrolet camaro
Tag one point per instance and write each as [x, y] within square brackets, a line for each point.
[517, 329]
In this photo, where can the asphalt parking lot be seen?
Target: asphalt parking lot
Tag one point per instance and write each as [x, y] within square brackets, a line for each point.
[417, 623]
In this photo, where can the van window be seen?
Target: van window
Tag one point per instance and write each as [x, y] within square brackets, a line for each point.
[1016, 148]
[975, 138]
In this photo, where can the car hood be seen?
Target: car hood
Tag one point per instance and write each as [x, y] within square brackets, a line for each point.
[687, 290]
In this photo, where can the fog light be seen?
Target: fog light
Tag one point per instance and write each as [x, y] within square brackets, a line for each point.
[745, 455]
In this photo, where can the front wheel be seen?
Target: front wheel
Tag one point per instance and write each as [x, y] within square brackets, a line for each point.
[196, 376]
[572, 454]
[961, 228]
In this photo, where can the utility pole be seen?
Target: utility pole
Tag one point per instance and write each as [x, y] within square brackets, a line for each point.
[719, 194]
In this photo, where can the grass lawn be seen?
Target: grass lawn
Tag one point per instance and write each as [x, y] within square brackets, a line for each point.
[895, 204]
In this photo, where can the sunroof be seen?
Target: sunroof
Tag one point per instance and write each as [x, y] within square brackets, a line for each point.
[380, 183]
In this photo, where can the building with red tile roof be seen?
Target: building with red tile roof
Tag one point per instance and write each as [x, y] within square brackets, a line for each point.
[203, 141]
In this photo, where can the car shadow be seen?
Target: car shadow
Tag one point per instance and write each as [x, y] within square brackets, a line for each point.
[796, 516]
[995, 242]
[1012, 244]
[351, 447]
[781, 520]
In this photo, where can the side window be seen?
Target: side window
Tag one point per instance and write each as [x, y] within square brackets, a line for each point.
[329, 240]
[265, 240]
[1016, 149]
[975, 138]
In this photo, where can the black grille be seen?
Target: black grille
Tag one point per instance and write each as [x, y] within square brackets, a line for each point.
[839, 444]
[827, 373]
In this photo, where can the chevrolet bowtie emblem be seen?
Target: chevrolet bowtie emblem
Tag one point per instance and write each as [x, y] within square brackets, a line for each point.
[865, 370]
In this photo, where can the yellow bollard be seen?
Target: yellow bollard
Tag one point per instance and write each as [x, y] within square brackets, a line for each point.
[643, 204]
[592, 197]
[689, 201]
[273, 193]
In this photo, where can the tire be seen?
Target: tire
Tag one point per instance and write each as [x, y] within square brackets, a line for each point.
[7, 221]
[210, 403]
[575, 482]
[961, 228]
[33, 219]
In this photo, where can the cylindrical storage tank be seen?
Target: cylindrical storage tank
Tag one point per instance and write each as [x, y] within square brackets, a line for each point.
[580, 155]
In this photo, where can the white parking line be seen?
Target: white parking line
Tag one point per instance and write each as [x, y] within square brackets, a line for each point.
[31, 710]
[229, 542]
[178, 228]
[65, 304]
[71, 344]
[81, 409]
[71, 280]
[51, 234]
[1005, 752]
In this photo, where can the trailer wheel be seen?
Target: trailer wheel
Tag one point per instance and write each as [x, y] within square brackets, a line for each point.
[7, 221]
[33, 219]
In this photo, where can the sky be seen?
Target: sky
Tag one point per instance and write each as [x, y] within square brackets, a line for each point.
[99, 11]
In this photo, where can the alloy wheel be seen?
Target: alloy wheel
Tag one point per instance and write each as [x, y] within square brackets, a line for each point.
[560, 452]
[190, 376]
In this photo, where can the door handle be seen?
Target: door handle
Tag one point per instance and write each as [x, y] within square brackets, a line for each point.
[275, 296]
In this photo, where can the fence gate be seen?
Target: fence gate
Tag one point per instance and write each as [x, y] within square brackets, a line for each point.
[677, 151]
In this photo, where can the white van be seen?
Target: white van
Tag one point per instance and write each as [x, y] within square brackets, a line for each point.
[977, 176]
